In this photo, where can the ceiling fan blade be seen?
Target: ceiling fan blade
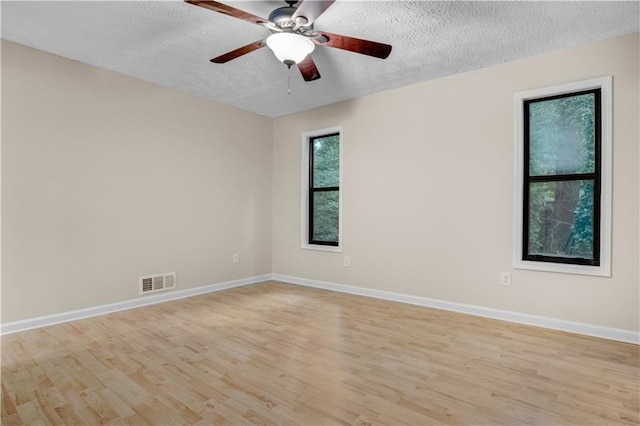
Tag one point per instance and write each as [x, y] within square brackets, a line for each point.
[239, 52]
[357, 45]
[228, 10]
[308, 69]
[310, 10]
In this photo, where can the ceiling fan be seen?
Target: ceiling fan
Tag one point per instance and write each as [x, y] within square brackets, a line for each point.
[293, 37]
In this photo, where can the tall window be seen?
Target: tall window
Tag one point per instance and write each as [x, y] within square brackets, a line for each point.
[563, 143]
[562, 140]
[322, 209]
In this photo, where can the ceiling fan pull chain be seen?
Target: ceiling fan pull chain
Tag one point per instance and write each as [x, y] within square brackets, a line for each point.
[289, 81]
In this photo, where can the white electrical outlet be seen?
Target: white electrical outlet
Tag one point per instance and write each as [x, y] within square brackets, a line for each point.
[347, 262]
[505, 279]
[236, 257]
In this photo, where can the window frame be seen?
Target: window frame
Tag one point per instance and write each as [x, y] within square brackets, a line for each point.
[307, 190]
[602, 236]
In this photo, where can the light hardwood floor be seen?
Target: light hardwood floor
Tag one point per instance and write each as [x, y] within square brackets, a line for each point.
[279, 354]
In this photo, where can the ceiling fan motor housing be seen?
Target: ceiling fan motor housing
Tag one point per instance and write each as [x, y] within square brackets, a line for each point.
[282, 16]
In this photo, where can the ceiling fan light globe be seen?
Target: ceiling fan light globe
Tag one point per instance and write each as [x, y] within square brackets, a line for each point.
[290, 46]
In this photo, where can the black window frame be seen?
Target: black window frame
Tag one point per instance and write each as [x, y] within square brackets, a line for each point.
[313, 190]
[596, 177]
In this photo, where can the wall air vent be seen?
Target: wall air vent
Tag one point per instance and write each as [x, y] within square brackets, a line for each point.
[155, 283]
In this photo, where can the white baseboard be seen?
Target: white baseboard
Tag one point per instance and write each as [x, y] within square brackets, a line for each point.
[621, 335]
[29, 324]
[515, 317]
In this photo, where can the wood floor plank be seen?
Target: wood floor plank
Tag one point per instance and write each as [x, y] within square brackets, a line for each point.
[277, 354]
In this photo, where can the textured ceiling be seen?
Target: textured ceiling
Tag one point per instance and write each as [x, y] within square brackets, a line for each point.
[170, 43]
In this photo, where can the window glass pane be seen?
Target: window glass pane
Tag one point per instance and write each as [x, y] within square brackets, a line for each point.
[326, 161]
[325, 216]
[561, 135]
[561, 219]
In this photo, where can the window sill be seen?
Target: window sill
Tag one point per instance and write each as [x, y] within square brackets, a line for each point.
[331, 249]
[598, 271]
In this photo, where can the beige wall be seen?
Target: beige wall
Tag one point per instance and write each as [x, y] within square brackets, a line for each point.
[105, 178]
[428, 191]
